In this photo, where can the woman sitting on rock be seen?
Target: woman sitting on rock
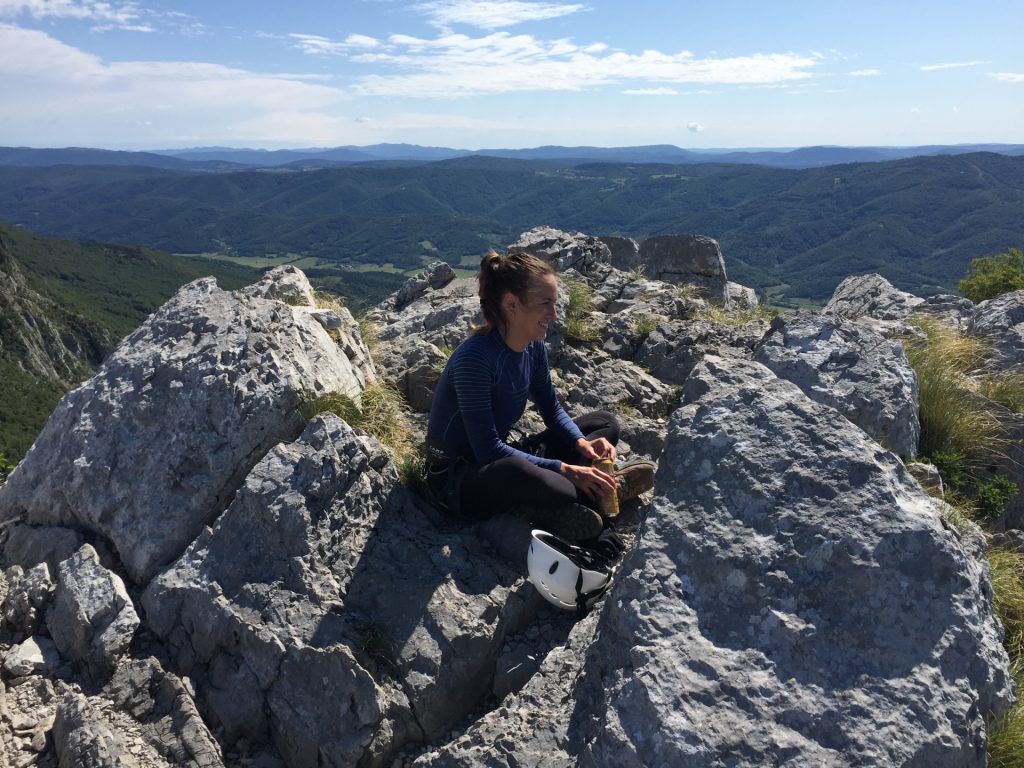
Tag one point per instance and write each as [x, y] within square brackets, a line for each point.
[473, 471]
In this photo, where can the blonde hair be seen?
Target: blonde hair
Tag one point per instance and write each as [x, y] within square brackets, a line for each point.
[512, 273]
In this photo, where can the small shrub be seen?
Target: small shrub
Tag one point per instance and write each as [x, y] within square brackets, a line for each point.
[990, 498]
[375, 641]
[637, 272]
[578, 325]
[688, 291]
[6, 468]
[644, 326]
[991, 276]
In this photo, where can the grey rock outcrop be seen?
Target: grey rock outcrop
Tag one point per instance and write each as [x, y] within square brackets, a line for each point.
[436, 275]
[850, 367]
[25, 600]
[687, 260]
[84, 740]
[31, 656]
[151, 448]
[325, 612]
[872, 296]
[92, 619]
[586, 254]
[1000, 321]
[794, 599]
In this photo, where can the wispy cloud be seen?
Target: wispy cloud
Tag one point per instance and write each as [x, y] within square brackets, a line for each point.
[1007, 77]
[319, 45]
[491, 14]
[694, 127]
[951, 65]
[651, 92]
[457, 65]
[107, 15]
[864, 73]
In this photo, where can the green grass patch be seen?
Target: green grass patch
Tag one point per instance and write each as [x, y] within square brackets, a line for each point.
[578, 324]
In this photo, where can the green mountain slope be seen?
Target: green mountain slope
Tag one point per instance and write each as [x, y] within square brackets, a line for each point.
[917, 221]
[63, 307]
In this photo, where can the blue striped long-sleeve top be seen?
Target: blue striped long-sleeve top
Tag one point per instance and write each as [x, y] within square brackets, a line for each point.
[482, 392]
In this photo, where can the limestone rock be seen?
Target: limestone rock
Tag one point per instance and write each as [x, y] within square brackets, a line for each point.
[32, 656]
[1000, 321]
[24, 606]
[83, 740]
[285, 283]
[92, 619]
[672, 350]
[152, 447]
[28, 545]
[165, 712]
[850, 367]
[954, 311]
[624, 252]
[871, 295]
[436, 275]
[687, 260]
[326, 612]
[586, 254]
[799, 598]
[412, 366]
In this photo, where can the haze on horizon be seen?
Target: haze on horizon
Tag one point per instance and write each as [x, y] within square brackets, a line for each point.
[475, 74]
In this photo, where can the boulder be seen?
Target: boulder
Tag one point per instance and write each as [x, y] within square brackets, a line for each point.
[36, 655]
[624, 252]
[92, 619]
[82, 738]
[799, 599]
[871, 295]
[687, 260]
[28, 545]
[586, 254]
[436, 275]
[325, 612]
[412, 366]
[165, 713]
[672, 349]
[152, 448]
[793, 599]
[954, 311]
[27, 597]
[1000, 321]
[850, 367]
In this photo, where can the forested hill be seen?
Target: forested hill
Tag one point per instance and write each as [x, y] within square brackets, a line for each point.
[917, 221]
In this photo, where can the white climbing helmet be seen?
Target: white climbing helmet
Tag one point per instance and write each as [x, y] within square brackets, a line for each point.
[566, 575]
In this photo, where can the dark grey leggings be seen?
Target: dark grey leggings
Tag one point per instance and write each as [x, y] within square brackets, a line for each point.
[514, 483]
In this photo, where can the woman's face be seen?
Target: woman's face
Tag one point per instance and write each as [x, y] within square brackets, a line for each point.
[529, 316]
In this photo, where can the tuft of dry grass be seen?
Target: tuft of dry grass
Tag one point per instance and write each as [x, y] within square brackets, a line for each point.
[578, 324]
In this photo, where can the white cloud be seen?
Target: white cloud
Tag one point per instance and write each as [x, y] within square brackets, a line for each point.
[951, 65]
[319, 45]
[491, 14]
[864, 73]
[1007, 77]
[651, 92]
[55, 90]
[124, 15]
[915, 110]
[455, 65]
[694, 127]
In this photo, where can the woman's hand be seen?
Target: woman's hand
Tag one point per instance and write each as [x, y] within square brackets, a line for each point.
[596, 449]
[591, 480]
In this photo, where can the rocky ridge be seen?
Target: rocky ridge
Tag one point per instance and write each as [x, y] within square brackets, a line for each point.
[261, 591]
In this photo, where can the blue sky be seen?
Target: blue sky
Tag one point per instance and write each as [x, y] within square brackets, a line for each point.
[148, 74]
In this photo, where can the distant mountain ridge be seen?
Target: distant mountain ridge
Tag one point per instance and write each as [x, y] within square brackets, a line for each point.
[228, 158]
